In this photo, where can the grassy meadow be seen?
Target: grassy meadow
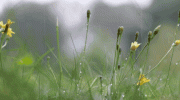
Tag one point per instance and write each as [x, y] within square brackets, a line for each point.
[28, 76]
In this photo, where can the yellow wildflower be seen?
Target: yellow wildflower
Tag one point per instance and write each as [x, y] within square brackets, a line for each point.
[2, 25]
[9, 22]
[177, 42]
[9, 30]
[142, 80]
[134, 45]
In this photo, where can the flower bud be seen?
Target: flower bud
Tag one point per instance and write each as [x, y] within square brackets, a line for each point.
[120, 31]
[88, 14]
[149, 36]
[119, 67]
[156, 30]
[177, 42]
[179, 13]
[136, 36]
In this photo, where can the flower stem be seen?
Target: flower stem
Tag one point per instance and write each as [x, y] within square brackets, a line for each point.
[60, 67]
[161, 59]
[171, 58]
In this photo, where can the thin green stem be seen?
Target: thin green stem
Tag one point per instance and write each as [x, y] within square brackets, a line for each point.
[101, 85]
[2, 39]
[140, 52]
[52, 72]
[60, 66]
[146, 57]
[161, 59]
[86, 35]
[168, 70]
[171, 57]
[39, 87]
[129, 59]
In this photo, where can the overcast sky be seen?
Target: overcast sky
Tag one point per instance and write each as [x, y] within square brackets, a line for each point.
[72, 12]
[74, 7]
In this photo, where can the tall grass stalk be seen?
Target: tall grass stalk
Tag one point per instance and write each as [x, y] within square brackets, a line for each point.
[172, 46]
[39, 86]
[172, 52]
[60, 66]
[2, 39]
[88, 17]
[52, 72]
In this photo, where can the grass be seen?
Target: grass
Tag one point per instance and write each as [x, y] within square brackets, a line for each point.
[25, 76]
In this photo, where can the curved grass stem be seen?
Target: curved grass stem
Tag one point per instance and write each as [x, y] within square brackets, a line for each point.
[161, 59]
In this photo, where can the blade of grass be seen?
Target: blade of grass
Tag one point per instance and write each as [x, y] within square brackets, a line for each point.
[60, 66]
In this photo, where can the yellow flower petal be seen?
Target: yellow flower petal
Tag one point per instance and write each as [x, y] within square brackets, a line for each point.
[2, 25]
[9, 22]
[142, 80]
[134, 45]
[9, 32]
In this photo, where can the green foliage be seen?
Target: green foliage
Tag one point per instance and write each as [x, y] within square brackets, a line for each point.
[92, 74]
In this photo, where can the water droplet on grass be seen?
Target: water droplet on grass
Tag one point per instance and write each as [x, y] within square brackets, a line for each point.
[123, 95]
[176, 63]
[145, 95]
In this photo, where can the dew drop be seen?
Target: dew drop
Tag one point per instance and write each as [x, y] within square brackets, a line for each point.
[176, 63]
[145, 95]
[123, 95]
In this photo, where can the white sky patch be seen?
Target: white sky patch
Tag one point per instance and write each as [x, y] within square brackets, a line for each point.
[79, 42]
[141, 3]
[73, 10]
